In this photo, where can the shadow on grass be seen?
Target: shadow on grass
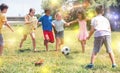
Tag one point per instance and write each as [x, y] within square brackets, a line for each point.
[75, 52]
[29, 50]
[97, 67]
[24, 50]
[69, 57]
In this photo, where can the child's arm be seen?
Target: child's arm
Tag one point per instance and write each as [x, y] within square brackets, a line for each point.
[72, 22]
[87, 19]
[4, 19]
[67, 24]
[9, 26]
[40, 20]
[91, 32]
[54, 28]
[53, 24]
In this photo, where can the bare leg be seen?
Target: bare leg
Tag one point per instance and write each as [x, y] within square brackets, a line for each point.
[46, 41]
[1, 50]
[46, 44]
[62, 41]
[24, 38]
[57, 44]
[33, 41]
[91, 65]
[93, 58]
[111, 55]
[83, 43]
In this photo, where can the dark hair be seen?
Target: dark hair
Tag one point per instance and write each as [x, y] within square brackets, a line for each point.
[31, 9]
[47, 10]
[3, 6]
[82, 12]
[99, 9]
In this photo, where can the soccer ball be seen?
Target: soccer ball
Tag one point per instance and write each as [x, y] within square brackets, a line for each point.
[65, 50]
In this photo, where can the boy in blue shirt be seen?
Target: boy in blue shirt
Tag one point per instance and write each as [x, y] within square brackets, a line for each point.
[46, 21]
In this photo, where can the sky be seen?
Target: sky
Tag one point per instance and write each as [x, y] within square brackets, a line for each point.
[21, 7]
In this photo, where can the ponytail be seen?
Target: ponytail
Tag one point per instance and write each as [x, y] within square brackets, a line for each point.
[31, 9]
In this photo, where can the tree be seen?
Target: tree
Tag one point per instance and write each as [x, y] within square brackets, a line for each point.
[106, 3]
[54, 5]
[69, 12]
[89, 6]
[37, 15]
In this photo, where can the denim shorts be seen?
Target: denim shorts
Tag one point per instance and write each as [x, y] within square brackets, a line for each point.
[1, 40]
[59, 34]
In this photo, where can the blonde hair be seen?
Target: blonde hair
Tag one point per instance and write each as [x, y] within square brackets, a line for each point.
[58, 13]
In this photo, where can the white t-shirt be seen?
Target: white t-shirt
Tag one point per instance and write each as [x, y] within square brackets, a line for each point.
[101, 25]
[59, 25]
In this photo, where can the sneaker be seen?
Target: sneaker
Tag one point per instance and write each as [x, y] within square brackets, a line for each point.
[34, 50]
[90, 66]
[114, 66]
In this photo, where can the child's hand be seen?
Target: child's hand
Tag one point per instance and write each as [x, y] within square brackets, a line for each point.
[88, 37]
[32, 22]
[12, 30]
[68, 24]
[35, 28]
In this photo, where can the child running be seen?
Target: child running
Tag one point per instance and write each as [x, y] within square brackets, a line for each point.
[3, 21]
[46, 22]
[83, 33]
[101, 26]
[29, 27]
[58, 24]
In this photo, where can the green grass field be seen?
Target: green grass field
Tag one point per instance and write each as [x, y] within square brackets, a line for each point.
[14, 61]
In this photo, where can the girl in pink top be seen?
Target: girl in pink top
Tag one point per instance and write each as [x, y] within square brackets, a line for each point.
[83, 34]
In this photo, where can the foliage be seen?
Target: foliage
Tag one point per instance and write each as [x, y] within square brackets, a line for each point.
[54, 5]
[106, 3]
[70, 15]
[89, 7]
[37, 15]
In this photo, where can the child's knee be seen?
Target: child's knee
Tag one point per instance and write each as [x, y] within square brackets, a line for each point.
[33, 39]
[52, 41]
[94, 53]
[24, 39]
[61, 43]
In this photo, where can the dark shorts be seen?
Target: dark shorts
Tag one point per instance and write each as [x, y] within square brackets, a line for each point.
[50, 36]
[1, 40]
[99, 41]
[59, 34]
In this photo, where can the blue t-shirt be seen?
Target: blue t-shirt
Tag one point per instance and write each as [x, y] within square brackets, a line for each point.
[46, 22]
